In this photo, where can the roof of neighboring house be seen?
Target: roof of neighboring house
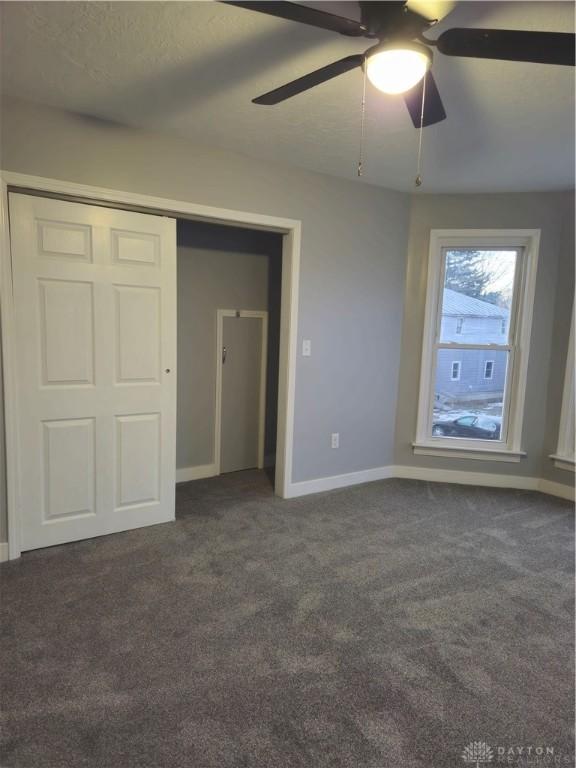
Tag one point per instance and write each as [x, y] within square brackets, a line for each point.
[455, 303]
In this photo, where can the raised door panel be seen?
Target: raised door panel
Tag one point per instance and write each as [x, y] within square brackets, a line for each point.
[138, 459]
[64, 239]
[69, 468]
[137, 334]
[137, 248]
[66, 332]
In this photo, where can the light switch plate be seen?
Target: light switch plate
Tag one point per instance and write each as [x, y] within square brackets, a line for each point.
[306, 348]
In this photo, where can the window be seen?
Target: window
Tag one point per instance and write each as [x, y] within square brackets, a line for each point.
[564, 458]
[473, 407]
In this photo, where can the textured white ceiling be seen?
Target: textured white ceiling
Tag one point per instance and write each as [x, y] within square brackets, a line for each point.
[191, 69]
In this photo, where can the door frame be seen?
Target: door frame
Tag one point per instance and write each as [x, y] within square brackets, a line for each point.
[220, 315]
[291, 229]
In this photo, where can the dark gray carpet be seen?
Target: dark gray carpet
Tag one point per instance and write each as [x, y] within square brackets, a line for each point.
[382, 626]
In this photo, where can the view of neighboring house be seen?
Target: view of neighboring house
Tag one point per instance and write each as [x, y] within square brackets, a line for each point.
[471, 375]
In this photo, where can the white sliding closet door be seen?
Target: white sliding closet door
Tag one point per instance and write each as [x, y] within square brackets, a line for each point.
[95, 299]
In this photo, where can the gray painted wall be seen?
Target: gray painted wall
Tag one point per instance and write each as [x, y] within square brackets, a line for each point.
[560, 334]
[352, 284]
[352, 270]
[551, 212]
[218, 268]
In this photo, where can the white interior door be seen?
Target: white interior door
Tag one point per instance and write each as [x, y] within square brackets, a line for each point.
[95, 303]
[241, 389]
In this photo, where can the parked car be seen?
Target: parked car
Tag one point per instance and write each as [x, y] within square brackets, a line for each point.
[471, 425]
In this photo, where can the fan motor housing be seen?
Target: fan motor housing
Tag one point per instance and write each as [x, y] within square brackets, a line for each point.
[389, 21]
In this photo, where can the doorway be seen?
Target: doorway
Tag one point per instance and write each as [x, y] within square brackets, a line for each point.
[229, 307]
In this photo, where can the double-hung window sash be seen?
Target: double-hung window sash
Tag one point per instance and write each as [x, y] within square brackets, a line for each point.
[478, 319]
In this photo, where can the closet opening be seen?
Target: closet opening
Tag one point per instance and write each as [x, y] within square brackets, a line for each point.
[229, 287]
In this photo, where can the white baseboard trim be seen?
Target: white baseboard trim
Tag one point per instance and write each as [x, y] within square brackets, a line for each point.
[489, 480]
[557, 489]
[3, 551]
[460, 477]
[304, 487]
[184, 474]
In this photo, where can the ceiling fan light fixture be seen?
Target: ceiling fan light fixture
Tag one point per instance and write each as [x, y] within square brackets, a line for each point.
[398, 67]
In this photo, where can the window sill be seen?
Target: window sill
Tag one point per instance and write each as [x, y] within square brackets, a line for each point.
[466, 452]
[563, 462]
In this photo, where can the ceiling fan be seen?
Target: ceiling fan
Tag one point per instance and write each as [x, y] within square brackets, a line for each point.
[400, 61]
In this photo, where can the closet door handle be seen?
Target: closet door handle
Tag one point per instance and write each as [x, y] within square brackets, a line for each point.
[224, 351]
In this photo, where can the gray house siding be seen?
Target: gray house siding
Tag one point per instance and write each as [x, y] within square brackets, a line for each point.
[461, 374]
[471, 383]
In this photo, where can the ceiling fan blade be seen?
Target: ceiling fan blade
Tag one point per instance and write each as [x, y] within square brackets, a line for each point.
[434, 111]
[305, 15]
[310, 80]
[509, 45]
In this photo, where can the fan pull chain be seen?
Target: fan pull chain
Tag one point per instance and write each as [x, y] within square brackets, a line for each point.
[362, 127]
[418, 179]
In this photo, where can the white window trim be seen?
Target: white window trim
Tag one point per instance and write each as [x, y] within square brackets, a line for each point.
[489, 378]
[564, 456]
[520, 329]
[452, 364]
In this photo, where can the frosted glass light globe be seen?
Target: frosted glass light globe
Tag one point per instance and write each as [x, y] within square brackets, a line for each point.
[396, 70]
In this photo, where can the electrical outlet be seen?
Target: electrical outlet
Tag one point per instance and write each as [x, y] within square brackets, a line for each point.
[335, 440]
[306, 348]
